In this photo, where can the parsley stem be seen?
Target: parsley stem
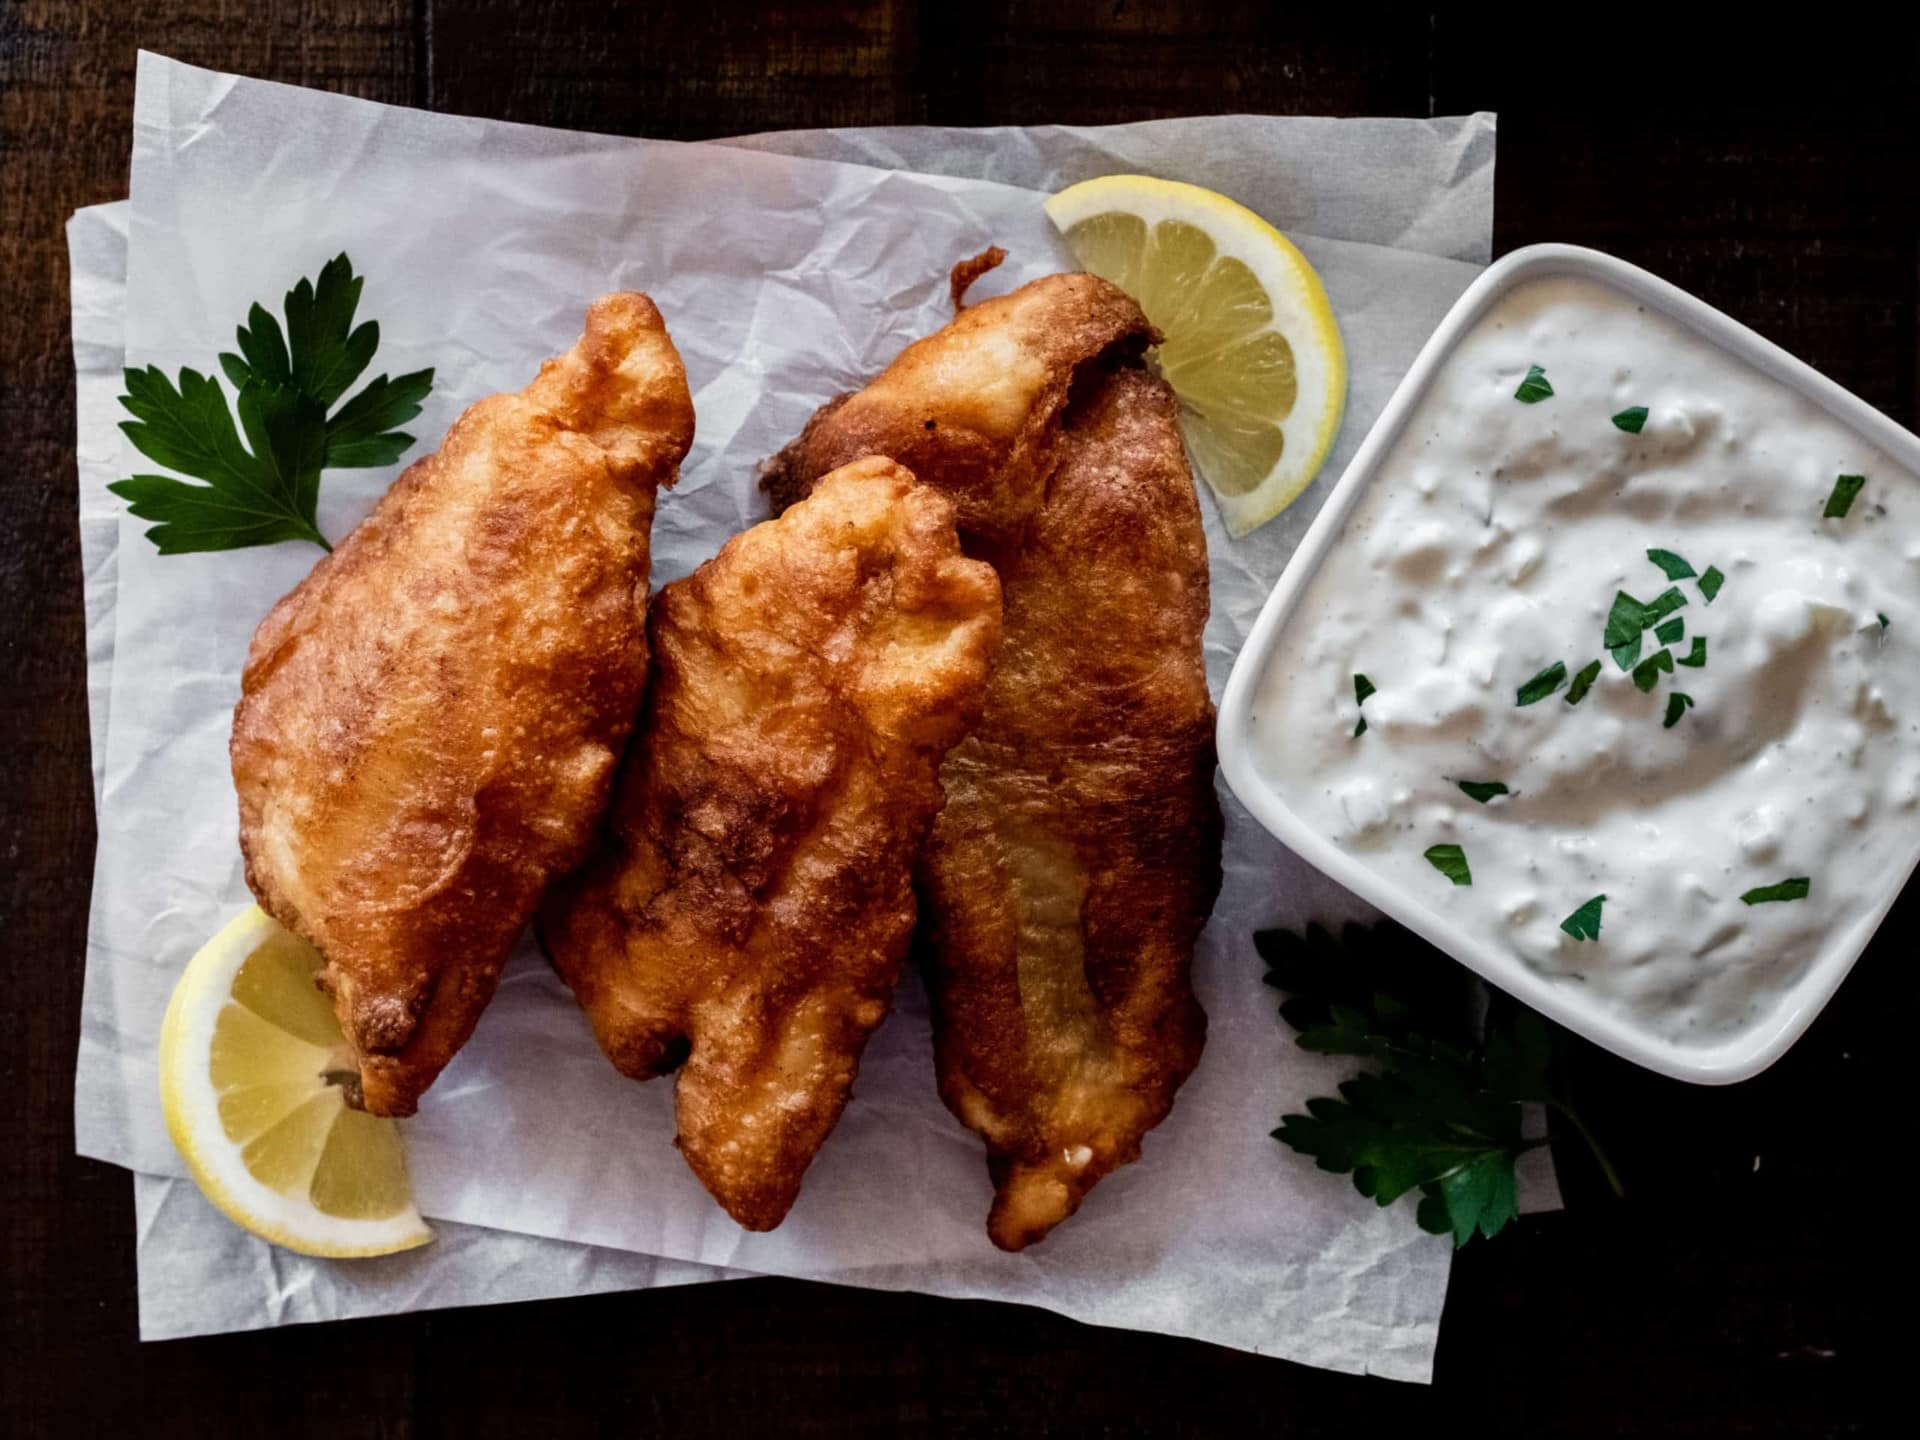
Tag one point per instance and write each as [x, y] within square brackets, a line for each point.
[1607, 1172]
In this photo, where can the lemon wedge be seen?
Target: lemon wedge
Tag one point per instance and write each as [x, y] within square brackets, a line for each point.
[252, 1064]
[1251, 348]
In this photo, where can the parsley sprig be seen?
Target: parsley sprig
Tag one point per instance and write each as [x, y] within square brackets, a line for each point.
[1437, 1109]
[286, 382]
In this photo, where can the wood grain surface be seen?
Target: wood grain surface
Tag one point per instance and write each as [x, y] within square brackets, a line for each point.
[1756, 1282]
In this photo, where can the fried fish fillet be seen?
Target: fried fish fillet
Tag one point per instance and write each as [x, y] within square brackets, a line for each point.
[429, 723]
[1079, 854]
[974, 409]
[750, 918]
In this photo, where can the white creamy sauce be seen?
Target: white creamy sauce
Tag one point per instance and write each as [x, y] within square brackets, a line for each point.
[1490, 545]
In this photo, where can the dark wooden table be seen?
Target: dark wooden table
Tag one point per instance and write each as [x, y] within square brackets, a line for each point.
[1759, 1280]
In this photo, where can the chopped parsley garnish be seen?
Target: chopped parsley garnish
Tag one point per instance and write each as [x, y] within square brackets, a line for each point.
[1646, 674]
[1665, 603]
[1845, 491]
[1629, 618]
[1450, 861]
[1534, 388]
[1711, 582]
[1670, 632]
[1795, 888]
[1436, 1107]
[1482, 790]
[1884, 621]
[286, 382]
[1625, 622]
[1631, 419]
[1584, 923]
[1583, 682]
[1542, 685]
[1698, 655]
[1362, 688]
[1671, 564]
[1678, 703]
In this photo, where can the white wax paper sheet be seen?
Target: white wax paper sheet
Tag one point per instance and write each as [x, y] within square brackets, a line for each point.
[785, 280]
[1423, 185]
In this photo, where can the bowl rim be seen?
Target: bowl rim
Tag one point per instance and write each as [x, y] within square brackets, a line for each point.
[1751, 1051]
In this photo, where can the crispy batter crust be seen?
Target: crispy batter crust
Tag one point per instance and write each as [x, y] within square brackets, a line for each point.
[974, 409]
[1079, 853]
[429, 722]
[755, 904]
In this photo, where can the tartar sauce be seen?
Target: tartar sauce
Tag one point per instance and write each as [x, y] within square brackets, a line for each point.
[1732, 813]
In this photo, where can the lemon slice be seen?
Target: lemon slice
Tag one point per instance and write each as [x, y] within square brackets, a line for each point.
[252, 1063]
[1251, 348]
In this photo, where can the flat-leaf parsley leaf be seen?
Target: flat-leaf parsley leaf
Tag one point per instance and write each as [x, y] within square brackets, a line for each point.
[267, 489]
[1438, 1109]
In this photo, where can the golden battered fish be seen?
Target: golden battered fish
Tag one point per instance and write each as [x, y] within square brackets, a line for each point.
[750, 917]
[429, 723]
[1079, 854]
[1078, 857]
[974, 410]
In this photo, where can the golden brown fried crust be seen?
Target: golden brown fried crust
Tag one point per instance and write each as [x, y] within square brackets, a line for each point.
[753, 909]
[1078, 855]
[974, 409]
[429, 722]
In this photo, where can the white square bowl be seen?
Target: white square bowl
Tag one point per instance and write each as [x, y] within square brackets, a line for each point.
[1759, 1045]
